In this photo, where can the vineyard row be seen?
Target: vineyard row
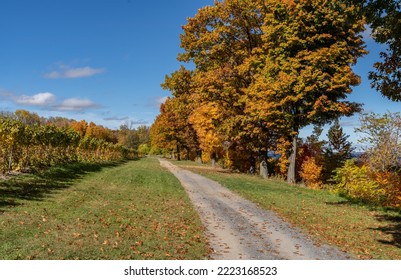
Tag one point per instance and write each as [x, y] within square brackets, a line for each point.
[33, 147]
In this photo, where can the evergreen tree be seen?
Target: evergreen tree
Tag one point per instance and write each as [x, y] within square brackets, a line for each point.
[337, 151]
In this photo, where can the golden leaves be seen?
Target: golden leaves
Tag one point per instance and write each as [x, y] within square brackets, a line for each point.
[261, 67]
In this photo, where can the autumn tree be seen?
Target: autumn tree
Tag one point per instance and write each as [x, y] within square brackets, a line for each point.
[80, 127]
[132, 137]
[310, 158]
[219, 40]
[381, 137]
[263, 71]
[164, 134]
[100, 132]
[181, 85]
[60, 122]
[143, 132]
[127, 136]
[28, 118]
[303, 75]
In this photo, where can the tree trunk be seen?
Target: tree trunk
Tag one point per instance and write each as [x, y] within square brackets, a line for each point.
[10, 160]
[263, 169]
[291, 175]
[214, 160]
[199, 153]
[188, 157]
[178, 152]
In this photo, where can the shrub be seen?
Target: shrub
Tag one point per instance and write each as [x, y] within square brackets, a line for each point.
[358, 182]
[311, 173]
[390, 182]
[144, 149]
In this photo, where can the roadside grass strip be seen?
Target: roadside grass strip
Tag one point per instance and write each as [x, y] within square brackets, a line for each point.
[125, 210]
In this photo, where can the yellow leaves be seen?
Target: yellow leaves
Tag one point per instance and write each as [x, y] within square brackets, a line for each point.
[357, 182]
[282, 147]
[33, 146]
[204, 120]
[264, 68]
[80, 127]
[311, 173]
[77, 235]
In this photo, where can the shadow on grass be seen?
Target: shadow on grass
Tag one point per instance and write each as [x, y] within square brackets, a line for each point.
[38, 186]
[391, 226]
[390, 219]
[345, 202]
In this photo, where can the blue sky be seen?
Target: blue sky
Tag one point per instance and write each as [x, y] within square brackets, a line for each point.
[104, 60]
[99, 60]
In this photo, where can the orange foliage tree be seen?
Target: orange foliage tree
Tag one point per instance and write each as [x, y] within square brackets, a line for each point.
[219, 40]
[264, 70]
[304, 73]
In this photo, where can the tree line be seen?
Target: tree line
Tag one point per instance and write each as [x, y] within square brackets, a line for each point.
[262, 70]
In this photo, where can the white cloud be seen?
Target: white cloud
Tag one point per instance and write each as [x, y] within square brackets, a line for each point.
[72, 73]
[155, 102]
[48, 101]
[76, 104]
[161, 100]
[40, 99]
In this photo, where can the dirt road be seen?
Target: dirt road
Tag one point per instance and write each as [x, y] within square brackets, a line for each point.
[238, 229]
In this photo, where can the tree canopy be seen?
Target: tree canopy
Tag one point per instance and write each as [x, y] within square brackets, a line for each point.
[384, 18]
[263, 70]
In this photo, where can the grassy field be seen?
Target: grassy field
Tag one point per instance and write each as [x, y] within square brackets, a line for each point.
[131, 210]
[360, 230]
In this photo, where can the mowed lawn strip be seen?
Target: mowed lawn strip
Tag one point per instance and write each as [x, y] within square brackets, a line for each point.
[362, 231]
[133, 210]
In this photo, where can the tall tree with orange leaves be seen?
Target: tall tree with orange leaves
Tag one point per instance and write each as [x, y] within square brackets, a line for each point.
[264, 69]
[304, 72]
[180, 107]
[220, 39]
[80, 127]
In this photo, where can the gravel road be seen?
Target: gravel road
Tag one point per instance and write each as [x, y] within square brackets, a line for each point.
[238, 229]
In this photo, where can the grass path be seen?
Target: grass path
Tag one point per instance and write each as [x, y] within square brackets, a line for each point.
[364, 232]
[133, 210]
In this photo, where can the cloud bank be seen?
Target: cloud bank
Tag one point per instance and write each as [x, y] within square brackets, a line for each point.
[48, 101]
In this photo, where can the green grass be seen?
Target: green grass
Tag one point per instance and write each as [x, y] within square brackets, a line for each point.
[130, 210]
[362, 231]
